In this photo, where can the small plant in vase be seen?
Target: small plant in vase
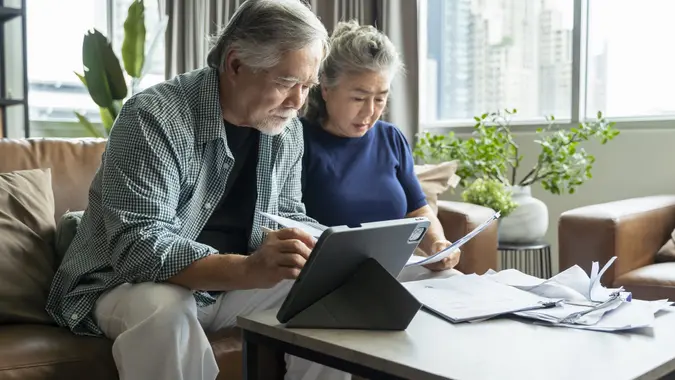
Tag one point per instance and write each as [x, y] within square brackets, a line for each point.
[490, 193]
[490, 163]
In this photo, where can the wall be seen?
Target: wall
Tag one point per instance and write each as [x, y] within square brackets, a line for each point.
[636, 163]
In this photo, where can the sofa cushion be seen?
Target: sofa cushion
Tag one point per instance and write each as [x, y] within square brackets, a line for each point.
[436, 179]
[31, 352]
[65, 232]
[667, 252]
[74, 163]
[49, 352]
[27, 260]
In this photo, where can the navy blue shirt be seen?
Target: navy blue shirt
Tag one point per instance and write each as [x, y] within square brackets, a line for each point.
[349, 181]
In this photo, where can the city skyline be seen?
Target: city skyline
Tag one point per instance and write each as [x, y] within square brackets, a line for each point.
[486, 55]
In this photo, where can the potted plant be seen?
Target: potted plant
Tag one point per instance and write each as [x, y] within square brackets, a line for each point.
[102, 74]
[490, 167]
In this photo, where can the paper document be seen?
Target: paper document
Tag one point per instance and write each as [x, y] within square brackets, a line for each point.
[423, 260]
[473, 297]
[290, 223]
[571, 299]
[572, 284]
[586, 303]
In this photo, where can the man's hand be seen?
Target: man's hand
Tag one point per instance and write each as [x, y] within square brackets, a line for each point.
[281, 256]
[448, 262]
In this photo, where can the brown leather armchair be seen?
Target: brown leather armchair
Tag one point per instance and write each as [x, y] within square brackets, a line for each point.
[631, 229]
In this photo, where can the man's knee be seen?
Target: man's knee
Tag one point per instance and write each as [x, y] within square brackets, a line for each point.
[164, 305]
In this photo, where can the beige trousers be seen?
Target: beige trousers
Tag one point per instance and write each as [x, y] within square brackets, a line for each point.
[160, 333]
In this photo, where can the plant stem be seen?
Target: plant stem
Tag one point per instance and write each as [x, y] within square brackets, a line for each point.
[540, 177]
[534, 173]
[514, 167]
[528, 175]
[503, 127]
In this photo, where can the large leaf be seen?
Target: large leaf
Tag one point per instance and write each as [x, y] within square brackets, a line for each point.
[156, 40]
[133, 46]
[113, 70]
[94, 69]
[102, 72]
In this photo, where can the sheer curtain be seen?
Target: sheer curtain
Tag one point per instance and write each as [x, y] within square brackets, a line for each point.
[192, 22]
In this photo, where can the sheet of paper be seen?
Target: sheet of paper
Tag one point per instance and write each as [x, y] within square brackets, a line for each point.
[628, 316]
[290, 223]
[470, 297]
[572, 284]
[593, 312]
[596, 292]
[423, 260]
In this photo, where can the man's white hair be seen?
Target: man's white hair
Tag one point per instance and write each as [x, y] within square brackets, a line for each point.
[261, 31]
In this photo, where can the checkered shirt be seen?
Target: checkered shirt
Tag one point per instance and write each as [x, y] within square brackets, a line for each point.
[163, 172]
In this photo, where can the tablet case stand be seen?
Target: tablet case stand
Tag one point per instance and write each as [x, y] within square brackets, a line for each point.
[371, 299]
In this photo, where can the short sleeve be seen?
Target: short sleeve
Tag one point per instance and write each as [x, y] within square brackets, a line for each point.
[406, 172]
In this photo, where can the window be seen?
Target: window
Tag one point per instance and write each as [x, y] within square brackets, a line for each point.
[486, 55]
[55, 32]
[631, 71]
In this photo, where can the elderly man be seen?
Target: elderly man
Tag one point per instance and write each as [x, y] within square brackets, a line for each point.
[170, 246]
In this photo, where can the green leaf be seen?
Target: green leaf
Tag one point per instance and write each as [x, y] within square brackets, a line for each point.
[95, 132]
[113, 70]
[102, 72]
[82, 78]
[107, 118]
[133, 46]
[94, 69]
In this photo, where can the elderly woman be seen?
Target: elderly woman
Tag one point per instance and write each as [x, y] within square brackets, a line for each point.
[357, 168]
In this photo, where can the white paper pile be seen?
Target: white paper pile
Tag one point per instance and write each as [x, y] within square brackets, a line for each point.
[569, 299]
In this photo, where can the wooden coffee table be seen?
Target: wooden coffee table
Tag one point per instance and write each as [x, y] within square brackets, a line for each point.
[433, 349]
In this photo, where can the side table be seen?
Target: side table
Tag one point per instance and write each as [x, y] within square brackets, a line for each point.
[531, 258]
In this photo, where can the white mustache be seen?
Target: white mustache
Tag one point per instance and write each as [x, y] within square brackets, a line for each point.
[287, 115]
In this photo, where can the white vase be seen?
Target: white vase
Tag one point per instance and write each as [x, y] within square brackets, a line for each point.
[528, 223]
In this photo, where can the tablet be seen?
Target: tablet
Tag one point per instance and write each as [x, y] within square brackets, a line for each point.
[340, 250]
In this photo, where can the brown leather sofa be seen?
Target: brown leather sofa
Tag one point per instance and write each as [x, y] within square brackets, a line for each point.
[631, 229]
[32, 352]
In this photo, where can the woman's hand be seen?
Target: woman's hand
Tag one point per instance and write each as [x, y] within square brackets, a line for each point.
[447, 263]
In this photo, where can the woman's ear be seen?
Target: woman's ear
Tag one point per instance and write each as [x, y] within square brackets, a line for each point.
[324, 92]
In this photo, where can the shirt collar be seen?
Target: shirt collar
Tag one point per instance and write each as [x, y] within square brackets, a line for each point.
[210, 123]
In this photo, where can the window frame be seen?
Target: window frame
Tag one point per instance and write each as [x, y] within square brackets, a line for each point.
[578, 103]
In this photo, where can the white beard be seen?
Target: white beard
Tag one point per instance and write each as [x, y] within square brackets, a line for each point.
[271, 126]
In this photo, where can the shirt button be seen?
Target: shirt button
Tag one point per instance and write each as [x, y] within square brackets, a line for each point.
[74, 316]
[207, 205]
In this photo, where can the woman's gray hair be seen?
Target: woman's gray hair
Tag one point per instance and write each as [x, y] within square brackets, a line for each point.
[354, 49]
[261, 31]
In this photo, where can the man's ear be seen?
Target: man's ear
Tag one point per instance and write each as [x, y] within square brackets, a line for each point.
[232, 64]
[324, 92]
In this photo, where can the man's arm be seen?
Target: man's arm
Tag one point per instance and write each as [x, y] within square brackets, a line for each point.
[141, 188]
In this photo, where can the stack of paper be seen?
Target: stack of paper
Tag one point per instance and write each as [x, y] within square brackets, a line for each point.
[569, 299]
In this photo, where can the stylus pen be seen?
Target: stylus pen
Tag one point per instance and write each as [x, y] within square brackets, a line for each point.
[268, 230]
